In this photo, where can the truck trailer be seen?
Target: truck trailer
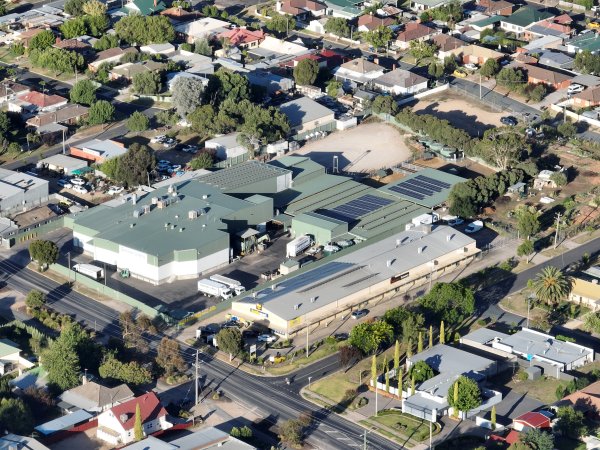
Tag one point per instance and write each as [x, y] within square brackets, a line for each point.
[234, 285]
[298, 245]
[214, 289]
[90, 270]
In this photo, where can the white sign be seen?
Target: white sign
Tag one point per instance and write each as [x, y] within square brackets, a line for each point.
[253, 349]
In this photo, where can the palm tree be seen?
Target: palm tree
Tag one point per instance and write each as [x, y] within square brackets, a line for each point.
[551, 285]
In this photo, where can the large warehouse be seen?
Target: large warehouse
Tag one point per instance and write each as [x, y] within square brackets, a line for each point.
[392, 265]
[19, 191]
[174, 232]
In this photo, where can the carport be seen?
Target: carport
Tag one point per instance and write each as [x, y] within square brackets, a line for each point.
[62, 164]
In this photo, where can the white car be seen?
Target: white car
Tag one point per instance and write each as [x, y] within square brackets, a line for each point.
[158, 139]
[114, 190]
[575, 89]
[78, 181]
[471, 66]
[454, 222]
[67, 185]
[474, 227]
[80, 189]
[268, 338]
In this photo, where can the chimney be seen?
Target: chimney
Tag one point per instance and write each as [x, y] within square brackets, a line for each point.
[376, 60]
[134, 199]
[84, 379]
[123, 417]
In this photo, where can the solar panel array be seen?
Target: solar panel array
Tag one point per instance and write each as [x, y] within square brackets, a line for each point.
[357, 208]
[420, 187]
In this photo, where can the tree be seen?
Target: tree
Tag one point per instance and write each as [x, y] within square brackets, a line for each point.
[449, 64]
[44, 252]
[374, 370]
[430, 336]
[525, 249]
[106, 41]
[94, 8]
[559, 178]
[489, 68]
[537, 439]
[202, 47]
[435, 70]
[567, 130]
[397, 357]
[281, 24]
[225, 84]
[348, 355]
[387, 378]
[368, 337]
[333, 88]
[412, 325]
[384, 104]
[15, 416]
[135, 164]
[538, 93]
[442, 333]
[409, 349]
[420, 371]
[460, 199]
[57, 60]
[42, 40]
[129, 373]
[379, 37]
[338, 26]
[138, 430]
[75, 7]
[451, 302]
[395, 317]
[230, 341]
[148, 83]
[205, 160]
[101, 112]
[468, 394]
[571, 422]
[73, 28]
[169, 357]
[143, 30]
[528, 222]
[513, 79]
[551, 285]
[502, 146]
[62, 363]
[290, 433]
[110, 168]
[138, 122]
[305, 72]
[187, 95]
[97, 25]
[422, 49]
[35, 299]
[83, 92]
[493, 418]
[420, 342]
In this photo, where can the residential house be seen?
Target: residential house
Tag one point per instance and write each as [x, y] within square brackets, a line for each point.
[586, 400]
[446, 44]
[519, 21]
[35, 102]
[587, 98]
[543, 43]
[26, 36]
[586, 80]
[422, 5]
[205, 439]
[532, 420]
[158, 49]
[556, 26]
[552, 78]
[172, 78]
[112, 55]
[10, 353]
[414, 31]
[370, 22]
[475, 54]
[586, 288]
[226, 146]
[15, 442]
[587, 41]
[400, 82]
[95, 398]
[243, 38]
[482, 23]
[63, 164]
[116, 425]
[307, 116]
[205, 28]
[494, 7]
[195, 63]
[389, 11]
[540, 349]
[179, 15]
[271, 82]
[317, 25]
[557, 60]
[332, 58]
[358, 70]
[346, 9]
[543, 180]
[10, 89]
[74, 45]
[144, 7]
[98, 150]
[321, 62]
[303, 10]
[129, 70]
[430, 398]
[70, 114]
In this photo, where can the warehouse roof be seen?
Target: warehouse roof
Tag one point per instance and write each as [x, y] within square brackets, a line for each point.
[303, 110]
[68, 163]
[427, 187]
[12, 182]
[241, 175]
[319, 220]
[367, 265]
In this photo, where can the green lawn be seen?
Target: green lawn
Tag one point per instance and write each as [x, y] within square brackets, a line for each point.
[409, 426]
[333, 387]
[295, 363]
[543, 389]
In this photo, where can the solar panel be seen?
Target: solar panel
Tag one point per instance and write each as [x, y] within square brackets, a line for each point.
[424, 185]
[433, 181]
[400, 190]
[357, 208]
[417, 189]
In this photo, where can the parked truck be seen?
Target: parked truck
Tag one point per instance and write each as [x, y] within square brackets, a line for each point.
[214, 289]
[298, 245]
[90, 270]
[423, 219]
[234, 285]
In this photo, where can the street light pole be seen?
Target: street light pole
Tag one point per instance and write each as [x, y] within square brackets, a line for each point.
[196, 378]
[309, 378]
[307, 329]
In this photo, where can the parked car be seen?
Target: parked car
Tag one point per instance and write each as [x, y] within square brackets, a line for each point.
[190, 148]
[471, 66]
[63, 181]
[78, 181]
[80, 189]
[456, 221]
[158, 139]
[508, 120]
[459, 73]
[474, 227]
[359, 313]
[268, 338]
[114, 190]
[575, 89]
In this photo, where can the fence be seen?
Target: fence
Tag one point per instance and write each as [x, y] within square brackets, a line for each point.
[232, 161]
[575, 116]
[436, 90]
[208, 312]
[573, 6]
[108, 291]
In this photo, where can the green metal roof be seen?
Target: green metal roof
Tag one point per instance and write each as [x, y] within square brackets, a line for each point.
[588, 41]
[8, 348]
[239, 178]
[318, 220]
[429, 201]
[147, 7]
[348, 6]
[526, 16]
[488, 21]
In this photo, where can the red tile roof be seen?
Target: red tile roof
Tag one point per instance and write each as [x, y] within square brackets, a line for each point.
[150, 409]
[414, 30]
[42, 100]
[372, 22]
[534, 420]
[239, 36]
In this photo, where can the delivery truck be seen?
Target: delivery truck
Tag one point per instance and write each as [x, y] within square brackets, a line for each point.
[90, 270]
[298, 245]
[214, 289]
[234, 285]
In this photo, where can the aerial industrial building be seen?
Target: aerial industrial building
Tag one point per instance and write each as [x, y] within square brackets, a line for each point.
[19, 191]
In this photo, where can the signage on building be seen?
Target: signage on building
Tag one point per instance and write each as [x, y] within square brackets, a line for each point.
[397, 278]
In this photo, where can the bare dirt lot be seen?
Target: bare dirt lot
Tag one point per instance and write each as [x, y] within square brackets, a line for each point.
[460, 112]
[366, 148]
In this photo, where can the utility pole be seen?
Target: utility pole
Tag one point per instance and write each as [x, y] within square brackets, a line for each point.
[430, 433]
[196, 378]
[557, 228]
[479, 85]
[307, 327]
[365, 440]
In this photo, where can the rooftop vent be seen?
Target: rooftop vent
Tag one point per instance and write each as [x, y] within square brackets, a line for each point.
[138, 212]
[296, 306]
[313, 299]
[155, 200]
[449, 237]
[192, 214]
[397, 243]
[131, 225]
[420, 250]
[204, 197]
[134, 199]
[123, 417]
[389, 262]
